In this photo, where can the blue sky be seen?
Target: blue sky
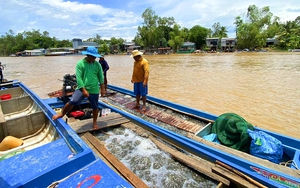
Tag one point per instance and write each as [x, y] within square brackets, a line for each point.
[120, 18]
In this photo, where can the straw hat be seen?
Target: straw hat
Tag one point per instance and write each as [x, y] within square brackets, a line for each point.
[136, 53]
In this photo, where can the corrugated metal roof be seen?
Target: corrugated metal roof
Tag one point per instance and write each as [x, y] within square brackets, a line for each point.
[188, 44]
[33, 51]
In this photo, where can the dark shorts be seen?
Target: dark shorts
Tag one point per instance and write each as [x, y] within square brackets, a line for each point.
[139, 89]
[77, 98]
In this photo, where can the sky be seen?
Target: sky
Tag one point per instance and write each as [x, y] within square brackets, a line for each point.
[120, 18]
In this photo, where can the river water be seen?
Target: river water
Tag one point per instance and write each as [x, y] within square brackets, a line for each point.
[262, 87]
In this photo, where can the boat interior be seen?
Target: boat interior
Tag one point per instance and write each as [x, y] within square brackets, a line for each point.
[291, 155]
[291, 158]
[22, 118]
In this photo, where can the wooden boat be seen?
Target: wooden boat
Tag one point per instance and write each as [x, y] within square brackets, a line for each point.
[49, 153]
[259, 170]
[193, 125]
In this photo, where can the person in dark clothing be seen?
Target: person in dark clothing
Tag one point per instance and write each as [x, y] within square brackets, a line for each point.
[105, 68]
[1, 73]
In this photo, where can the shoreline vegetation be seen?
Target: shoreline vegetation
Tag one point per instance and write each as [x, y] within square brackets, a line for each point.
[252, 32]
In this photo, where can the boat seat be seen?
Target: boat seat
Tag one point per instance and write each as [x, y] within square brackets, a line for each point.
[14, 92]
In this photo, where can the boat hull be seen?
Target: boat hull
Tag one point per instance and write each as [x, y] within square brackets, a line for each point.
[262, 174]
[52, 161]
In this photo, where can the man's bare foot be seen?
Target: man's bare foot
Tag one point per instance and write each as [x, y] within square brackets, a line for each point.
[144, 108]
[95, 127]
[137, 107]
[56, 116]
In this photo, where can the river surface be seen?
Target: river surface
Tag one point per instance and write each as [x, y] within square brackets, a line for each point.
[262, 87]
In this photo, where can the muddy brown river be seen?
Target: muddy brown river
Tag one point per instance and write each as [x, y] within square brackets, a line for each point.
[262, 87]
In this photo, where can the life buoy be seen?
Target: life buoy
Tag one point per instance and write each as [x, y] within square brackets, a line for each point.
[96, 179]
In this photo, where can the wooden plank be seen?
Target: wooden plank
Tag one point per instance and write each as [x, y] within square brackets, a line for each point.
[129, 175]
[248, 178]
[232, 177]
[86, 125]
[2, 118]
[201, 166]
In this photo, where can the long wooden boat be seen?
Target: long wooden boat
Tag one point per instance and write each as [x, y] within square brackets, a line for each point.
[49, 153]
[260, 170]
[193, 125]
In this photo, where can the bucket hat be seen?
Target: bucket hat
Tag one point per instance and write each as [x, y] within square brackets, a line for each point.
[136, 53]
[91, 50]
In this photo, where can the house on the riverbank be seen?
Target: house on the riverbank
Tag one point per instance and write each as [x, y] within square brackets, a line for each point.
[228, 44]
[187, 47]
[212, 44]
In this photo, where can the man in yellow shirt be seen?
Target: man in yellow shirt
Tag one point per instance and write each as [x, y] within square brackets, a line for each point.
[139, 78]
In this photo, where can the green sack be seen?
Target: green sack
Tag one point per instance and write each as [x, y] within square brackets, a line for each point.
[231, 130]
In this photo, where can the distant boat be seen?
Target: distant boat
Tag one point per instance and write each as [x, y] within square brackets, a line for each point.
[294, 50]
[58, 53]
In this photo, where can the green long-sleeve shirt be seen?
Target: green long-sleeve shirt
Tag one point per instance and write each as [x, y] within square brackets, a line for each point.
[89, 75]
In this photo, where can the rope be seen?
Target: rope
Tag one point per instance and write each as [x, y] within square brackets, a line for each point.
[290, 163]
[54, 184]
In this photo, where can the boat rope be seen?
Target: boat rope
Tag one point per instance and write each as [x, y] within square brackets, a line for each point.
[54, 184]
[290, 163]
[109, 103]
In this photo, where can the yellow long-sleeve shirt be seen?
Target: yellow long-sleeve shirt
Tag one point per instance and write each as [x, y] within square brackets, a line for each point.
[140, 71]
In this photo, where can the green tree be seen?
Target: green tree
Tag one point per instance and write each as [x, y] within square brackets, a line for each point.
[117, 42]
[138, 40]
[165, 25]
[104, 49]
[289, 34]
[64, 43]
[177, 38]
[164, 42]
[198, 34]
[219, 31]
[97, 39]
[149, 32]
[29, 40]
[256, 28]
[155, 30]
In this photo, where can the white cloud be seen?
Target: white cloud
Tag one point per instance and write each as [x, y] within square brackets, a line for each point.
[77, 19]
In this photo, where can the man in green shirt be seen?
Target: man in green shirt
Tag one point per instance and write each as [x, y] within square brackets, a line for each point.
[89, 74]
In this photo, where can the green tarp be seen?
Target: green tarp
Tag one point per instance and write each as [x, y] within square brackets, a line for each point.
[231, 130]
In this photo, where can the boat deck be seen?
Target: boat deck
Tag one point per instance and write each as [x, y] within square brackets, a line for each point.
[158, 114]
[82, 126]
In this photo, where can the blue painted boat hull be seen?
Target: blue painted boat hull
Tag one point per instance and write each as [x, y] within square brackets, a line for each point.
[56, 160]
[266, 176]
